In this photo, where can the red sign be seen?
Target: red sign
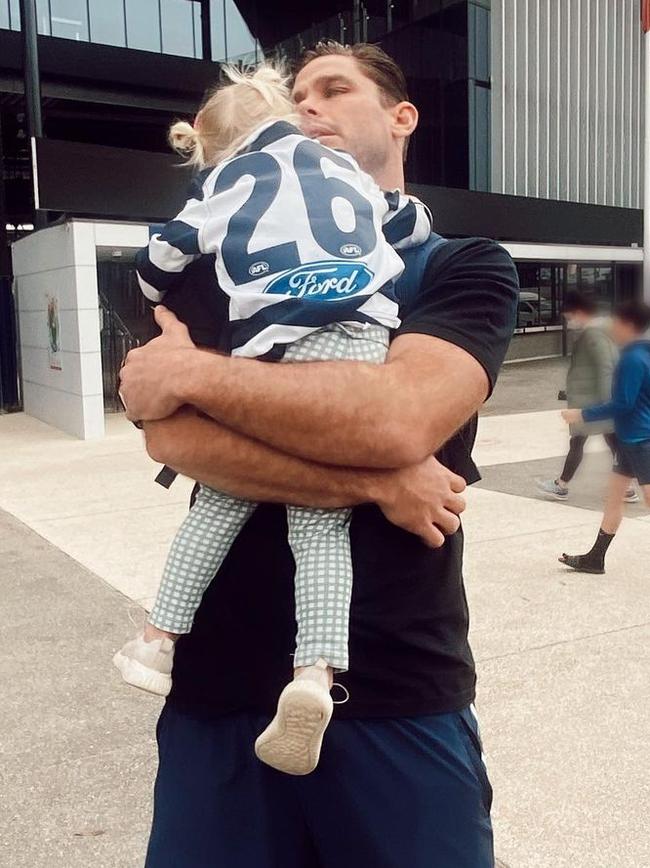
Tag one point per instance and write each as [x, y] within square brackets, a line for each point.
[645, 15]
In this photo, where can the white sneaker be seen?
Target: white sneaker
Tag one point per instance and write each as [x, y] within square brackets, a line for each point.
[292, 741]
[632, 495]
[147, 665]
[551, 486]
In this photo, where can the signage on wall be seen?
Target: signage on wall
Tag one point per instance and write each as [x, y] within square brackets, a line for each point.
[53, 333]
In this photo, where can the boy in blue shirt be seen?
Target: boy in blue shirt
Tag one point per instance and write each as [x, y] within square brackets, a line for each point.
[630, 410]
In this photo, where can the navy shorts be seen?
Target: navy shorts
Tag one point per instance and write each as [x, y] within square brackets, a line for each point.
[407, 793]
[633, 460]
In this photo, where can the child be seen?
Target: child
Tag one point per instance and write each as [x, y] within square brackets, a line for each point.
[300, 239]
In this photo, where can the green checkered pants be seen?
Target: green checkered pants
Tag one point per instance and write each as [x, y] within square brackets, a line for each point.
[319, 538]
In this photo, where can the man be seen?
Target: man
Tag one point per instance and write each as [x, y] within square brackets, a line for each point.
[630, 409]
[401, 781]
[589, 381]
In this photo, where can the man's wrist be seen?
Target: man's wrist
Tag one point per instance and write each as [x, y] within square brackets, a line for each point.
[372, 486]
[196, 377]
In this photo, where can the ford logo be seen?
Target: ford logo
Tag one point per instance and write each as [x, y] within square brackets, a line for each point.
[258, 268]
[323, 281]
[350, 250]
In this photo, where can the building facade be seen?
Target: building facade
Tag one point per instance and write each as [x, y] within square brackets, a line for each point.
[567, 100]
[536, 108]
[530, 133]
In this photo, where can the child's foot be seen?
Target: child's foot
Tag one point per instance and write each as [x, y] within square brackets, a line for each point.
[152, 632]
[147, 664]
[292, 741]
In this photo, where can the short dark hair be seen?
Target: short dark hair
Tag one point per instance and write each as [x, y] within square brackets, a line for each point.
[374, 62]
[635, 313]
[574, 301]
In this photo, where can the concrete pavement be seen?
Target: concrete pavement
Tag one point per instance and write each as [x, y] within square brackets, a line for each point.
[77, 751]
[563, 659]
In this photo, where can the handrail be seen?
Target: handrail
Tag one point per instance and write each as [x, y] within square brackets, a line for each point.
[110, 310]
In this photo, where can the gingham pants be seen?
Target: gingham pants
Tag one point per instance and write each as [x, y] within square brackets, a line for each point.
[319, 538]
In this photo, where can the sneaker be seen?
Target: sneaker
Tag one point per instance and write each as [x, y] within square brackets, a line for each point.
[551, 487]
[147, 665]
[632, 496]
[292, 742]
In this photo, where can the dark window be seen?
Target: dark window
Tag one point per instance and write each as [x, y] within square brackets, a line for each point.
[540, 295]
[479, 137]
[543, 285]
[597, 281]
[433, 52]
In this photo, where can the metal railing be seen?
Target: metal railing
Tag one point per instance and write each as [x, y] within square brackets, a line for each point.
[354, 24]
[116, 341]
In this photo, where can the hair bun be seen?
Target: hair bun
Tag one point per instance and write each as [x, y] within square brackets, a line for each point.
[270, 75]
[183, 137]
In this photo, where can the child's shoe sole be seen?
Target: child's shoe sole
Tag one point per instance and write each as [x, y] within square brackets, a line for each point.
[292, 742]
[138, 675]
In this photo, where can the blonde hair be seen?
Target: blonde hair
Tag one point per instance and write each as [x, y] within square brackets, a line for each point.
[231, 112]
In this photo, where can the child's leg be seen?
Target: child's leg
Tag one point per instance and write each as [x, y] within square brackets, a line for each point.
[320, 542]
[198, 550]
[319, 538]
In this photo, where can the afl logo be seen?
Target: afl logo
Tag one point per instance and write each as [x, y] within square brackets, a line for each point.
[258, 268]
[350, 250]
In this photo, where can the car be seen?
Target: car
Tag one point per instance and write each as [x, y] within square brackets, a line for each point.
[533, 311]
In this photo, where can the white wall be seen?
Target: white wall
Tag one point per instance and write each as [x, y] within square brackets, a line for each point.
[60, 261]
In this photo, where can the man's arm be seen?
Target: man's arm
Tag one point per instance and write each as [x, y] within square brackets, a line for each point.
[627, 384]
[424, 500]
[439, 371]
[346, 413]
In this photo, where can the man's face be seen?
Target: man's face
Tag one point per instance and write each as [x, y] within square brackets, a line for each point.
[576, 319]
[623, 332]
[343, 108]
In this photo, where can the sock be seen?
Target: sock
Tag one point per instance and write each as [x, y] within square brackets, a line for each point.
[599, 550]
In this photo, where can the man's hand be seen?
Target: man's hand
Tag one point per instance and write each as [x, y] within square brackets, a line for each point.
[151, 376]
[571, 417]
[424, 499]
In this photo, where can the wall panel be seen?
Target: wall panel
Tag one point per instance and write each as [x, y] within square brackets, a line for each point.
[567, 100]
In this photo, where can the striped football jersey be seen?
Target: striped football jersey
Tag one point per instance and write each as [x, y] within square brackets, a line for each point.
[302, 238]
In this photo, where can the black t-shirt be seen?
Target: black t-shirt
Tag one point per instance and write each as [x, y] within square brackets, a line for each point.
[409, 653]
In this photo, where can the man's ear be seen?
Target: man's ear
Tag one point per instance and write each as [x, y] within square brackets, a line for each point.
[405, 119]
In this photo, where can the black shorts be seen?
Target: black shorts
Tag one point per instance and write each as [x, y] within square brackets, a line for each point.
[633, 460]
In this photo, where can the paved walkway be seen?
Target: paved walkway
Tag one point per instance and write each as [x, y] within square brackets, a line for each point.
[77, 752]
[564, 660]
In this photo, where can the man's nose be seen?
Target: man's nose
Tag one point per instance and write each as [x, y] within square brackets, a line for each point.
[307, 108]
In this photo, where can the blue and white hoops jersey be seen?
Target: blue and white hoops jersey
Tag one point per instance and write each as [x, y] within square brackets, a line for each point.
[303, 239]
